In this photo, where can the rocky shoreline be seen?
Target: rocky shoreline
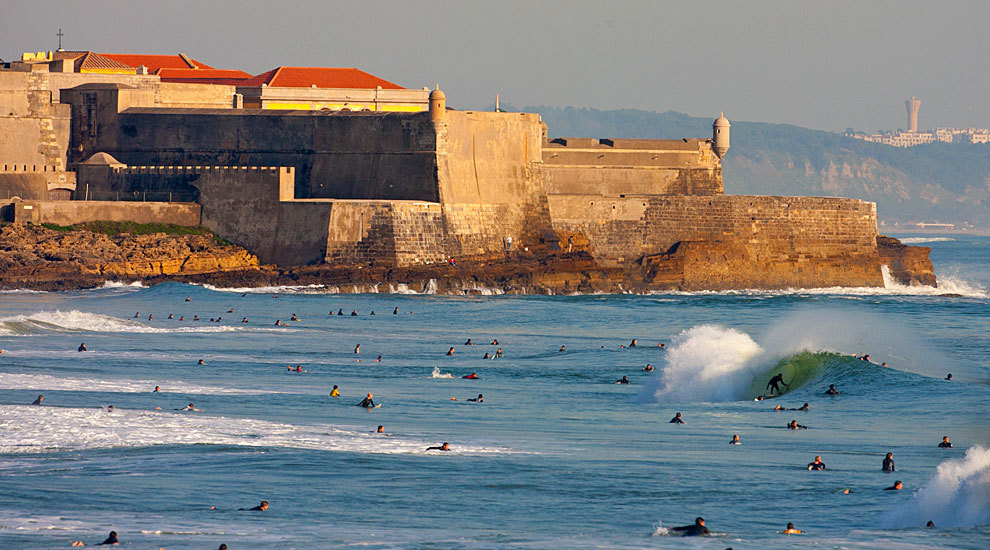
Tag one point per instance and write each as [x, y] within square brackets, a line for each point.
[38, 258]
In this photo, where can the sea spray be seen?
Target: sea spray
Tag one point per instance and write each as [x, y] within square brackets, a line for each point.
[437, 374]
[704, 363]
[958, 495]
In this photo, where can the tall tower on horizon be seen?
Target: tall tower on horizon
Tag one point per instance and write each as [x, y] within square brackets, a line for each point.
[913, 105]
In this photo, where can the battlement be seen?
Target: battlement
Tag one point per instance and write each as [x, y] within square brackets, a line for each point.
[182, 170]
[29, 168]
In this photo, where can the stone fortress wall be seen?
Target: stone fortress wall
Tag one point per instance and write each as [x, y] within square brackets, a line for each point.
[304, 187]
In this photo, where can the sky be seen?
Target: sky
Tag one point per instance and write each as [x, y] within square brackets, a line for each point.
[827, 65]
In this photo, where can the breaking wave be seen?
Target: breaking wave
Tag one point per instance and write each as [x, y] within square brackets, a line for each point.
[917, 240]
[33, 429]
[79, 321]
[45, 382]
[284, 289]
[958, 495]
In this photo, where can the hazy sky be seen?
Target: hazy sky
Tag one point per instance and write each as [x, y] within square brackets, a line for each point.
[822, 64]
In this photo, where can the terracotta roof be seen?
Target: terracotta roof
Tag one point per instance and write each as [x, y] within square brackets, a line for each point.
[322, 77]
[90, 60]
[155, 62]
[203, 76]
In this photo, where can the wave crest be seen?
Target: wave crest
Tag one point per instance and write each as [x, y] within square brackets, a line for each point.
[958, 495]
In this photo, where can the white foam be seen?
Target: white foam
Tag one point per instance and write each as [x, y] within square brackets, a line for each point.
[45, 382]
[958, 495]
[437, 374]
[282, 289]
[704, 363]
[33, 429]
[947, 284]
[916, 240]
[120, 284]
[77, 321]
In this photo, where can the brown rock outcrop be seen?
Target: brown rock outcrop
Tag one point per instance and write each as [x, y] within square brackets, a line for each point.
[909, 265]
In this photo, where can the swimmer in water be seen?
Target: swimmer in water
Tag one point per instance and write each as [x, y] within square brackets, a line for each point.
[888, 463]
[357, 348]
[790, 530]
[395, 311]
[696, 530]
[151, 316]
[187, 299]
[831, 390]
[945, 443]
[340, 311]
[38, 400]
[195, 317]
[379, 359]
[82, 347]
[479, 399]
[171, 316]
[494, 342]
[110, 408]
[930, 524]
[354, 313]
[677, 419]
[648, 368]
[780, 408]
[244, 320]
[897, 486]
[192, 408]
[367, 402]
[801, 408]
[735, 440]
[157, 389]
[136, 315]
[381, 429]
[661, 345]
[498, 353]
[335, 392]
[623, 380]
[948, 376]
[278, 322]
[182, 317]
[817, 465]
[298, 368]
[562, 348]
[633, 343]
[294, 318]
[450, 352]
[772, 384]
[259, 508]
[231, 310]
[469, 342]
[201, 362]
[472, 376]
[444, 447]
[795, 426]
[111, 540]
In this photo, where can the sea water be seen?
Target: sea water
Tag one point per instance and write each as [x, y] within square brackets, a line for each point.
[557, 456]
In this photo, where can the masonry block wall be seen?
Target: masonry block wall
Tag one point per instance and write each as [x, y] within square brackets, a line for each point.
[788, 241]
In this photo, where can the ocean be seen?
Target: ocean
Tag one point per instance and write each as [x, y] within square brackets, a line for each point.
[556, 456]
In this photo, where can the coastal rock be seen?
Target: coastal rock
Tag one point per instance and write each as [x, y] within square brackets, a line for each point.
[909, 265]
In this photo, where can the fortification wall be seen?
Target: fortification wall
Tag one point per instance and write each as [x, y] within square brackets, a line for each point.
[632, 166]
[34, 130]
[73, 212]
[728, 241]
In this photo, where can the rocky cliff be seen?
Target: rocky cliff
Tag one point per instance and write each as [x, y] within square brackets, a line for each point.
[34, 257]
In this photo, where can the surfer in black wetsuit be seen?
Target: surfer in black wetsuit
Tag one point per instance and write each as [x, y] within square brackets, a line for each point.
[888, 463]
[831, 390]
[38, 400]
[772, 384]
[696, 530]
[801, 408]
[479, 399]
[367, 402]
[817, 465]
[622, 380]
[943, 445]
[259, 508]
[897, 486]
[677, 419]
[111, 539]
[82, 347]
[795, 426]
[444, 447]
[735, 440]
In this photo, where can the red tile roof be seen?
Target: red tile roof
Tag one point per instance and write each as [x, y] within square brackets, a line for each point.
[322, 77]
[90, 60]
[202, 76]
[155, 62]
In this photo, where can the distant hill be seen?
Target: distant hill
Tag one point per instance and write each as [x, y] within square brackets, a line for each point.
[939, 182]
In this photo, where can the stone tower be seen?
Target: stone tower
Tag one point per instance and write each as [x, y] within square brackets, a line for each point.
[913, 105]
[720, 135]
[438, 106]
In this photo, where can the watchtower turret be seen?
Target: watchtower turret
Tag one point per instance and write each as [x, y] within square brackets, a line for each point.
[720, 135]
[438, 106]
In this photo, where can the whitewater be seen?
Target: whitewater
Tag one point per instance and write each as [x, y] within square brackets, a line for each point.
[556, 455]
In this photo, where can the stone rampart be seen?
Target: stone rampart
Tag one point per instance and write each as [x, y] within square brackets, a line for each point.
[723, 241]
[74, 212]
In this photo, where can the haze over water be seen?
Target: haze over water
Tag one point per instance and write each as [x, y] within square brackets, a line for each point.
[558, 455]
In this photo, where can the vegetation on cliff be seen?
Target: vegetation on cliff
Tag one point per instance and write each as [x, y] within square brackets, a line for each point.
[938, 182]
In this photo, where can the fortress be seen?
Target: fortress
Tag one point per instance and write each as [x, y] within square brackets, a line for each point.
[403, 180]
